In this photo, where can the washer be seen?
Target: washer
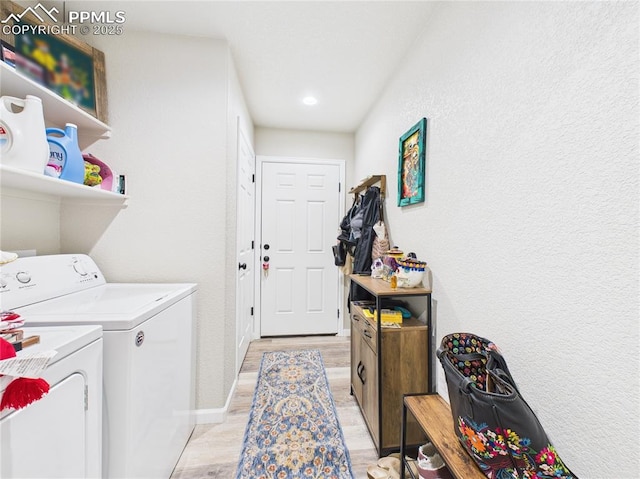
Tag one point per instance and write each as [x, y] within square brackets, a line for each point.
[149, 354]
[59, 436]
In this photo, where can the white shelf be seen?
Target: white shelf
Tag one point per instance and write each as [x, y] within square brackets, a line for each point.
[57, 110]
[17, 179]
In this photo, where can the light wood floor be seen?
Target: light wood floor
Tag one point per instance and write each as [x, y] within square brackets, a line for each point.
[214, 449]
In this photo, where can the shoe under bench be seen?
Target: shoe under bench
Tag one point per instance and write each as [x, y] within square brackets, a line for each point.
[433, 415]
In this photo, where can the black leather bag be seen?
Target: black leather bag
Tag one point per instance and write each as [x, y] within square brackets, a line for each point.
[492, 420]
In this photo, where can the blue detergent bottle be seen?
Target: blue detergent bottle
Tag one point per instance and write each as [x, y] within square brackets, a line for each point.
[65, 157]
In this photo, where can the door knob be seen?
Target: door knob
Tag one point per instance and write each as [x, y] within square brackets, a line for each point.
[242, 265]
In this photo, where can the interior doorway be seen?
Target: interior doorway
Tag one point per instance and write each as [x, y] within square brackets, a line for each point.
[301, 203]
[245, 226]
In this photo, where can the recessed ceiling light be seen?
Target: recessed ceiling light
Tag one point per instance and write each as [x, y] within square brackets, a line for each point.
[309, 100]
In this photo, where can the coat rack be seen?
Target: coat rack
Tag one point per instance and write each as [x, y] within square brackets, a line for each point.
[369, 181]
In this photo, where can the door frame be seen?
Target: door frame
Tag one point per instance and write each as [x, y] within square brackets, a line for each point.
[260, 159]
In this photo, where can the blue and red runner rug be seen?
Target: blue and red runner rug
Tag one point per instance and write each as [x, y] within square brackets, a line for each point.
[293, 429]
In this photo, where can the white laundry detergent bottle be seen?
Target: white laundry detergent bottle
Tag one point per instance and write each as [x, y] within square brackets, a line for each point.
[23, 141]
[65, 157]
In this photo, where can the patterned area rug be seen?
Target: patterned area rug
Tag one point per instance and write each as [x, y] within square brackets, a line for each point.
[293, 429]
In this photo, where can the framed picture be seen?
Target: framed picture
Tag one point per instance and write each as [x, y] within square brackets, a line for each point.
[411, 164]
[60, 62]
[7, 54]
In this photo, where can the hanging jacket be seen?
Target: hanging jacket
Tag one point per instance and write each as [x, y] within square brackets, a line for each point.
[369, 207]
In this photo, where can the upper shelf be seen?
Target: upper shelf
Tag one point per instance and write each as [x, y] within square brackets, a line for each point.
[369, 181]
[15, 178]
[57, 110]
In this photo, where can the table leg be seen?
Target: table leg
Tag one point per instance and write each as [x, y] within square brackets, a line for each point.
[403, 439]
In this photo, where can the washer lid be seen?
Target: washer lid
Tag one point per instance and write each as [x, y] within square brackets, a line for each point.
[65, 340]
[114, 306]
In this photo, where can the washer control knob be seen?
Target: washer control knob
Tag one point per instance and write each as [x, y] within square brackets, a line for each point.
[23, 277]
[79, 268]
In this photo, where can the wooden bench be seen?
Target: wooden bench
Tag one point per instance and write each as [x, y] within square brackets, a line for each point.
[433, 415]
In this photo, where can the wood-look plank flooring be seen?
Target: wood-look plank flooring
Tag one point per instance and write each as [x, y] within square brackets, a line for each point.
[214, 449]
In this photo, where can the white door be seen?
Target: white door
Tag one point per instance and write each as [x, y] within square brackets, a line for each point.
[300, 217]
[245, 246]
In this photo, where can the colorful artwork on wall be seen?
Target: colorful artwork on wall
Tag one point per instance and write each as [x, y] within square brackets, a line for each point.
[411, 165]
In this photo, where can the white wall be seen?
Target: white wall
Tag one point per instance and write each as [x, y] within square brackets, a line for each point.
[530, 223]
[237, 118]
[29, 222]
[168, 102]
[304, 144]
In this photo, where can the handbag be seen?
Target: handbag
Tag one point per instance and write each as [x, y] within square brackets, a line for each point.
[380, 244]
[492, 421]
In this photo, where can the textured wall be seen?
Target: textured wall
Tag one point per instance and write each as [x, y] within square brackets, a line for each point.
[530, 223]
[304, 144]
[237, 118]
[169, 123]
[29, 221]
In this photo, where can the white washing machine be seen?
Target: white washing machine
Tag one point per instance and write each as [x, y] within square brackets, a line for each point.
[149, 353]
[60, 435]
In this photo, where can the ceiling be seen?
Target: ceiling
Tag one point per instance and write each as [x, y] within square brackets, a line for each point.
[341, 52]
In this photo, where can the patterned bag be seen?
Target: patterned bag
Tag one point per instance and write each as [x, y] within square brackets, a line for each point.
[492, 420]
[380, 244]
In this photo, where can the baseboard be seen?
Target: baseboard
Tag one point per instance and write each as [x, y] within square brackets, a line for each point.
[215, 415]
[344, 332]
[210, 416]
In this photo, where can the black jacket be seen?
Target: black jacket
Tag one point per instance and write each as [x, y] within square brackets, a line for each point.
[370, 207]
[362, 257]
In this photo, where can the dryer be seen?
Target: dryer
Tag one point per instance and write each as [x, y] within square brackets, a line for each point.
[149, 354]
[59, 436]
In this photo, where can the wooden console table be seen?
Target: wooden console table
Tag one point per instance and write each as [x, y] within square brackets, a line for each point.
[387, 363]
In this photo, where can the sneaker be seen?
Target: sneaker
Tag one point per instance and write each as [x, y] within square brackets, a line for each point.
[430, 463]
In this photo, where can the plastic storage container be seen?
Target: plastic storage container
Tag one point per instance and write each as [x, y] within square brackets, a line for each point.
[109, 178]
[23, 141]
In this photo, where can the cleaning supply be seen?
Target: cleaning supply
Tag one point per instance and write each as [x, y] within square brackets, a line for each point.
[23, 142]
[65, 157]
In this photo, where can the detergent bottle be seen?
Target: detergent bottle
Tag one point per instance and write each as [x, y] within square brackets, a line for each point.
[65, 157]
[23, 142]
